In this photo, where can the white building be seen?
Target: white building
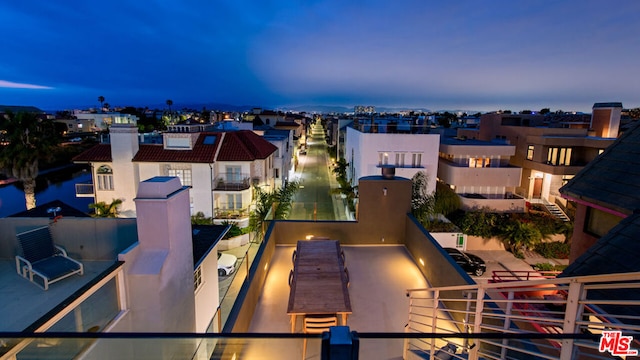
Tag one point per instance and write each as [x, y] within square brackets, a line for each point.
[103, 121]
[480, 173]
[220, 167]
[368, 152]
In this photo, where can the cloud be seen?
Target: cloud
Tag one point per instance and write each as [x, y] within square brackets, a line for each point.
[15, 85]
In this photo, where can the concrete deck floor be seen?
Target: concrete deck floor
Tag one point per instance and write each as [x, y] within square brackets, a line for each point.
[379, 278]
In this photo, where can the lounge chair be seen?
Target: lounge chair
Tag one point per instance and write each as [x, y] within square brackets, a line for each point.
[41, 257]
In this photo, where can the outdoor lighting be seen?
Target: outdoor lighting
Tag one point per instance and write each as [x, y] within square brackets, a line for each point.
[421, 262]
[309, 237]
[384, 191]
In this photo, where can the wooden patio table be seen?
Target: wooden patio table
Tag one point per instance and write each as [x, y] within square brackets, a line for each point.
[319, 285]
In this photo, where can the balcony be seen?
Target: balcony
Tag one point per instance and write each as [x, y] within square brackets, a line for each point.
[508, 202]
[232, 182]
[84, 190]
[227, 211]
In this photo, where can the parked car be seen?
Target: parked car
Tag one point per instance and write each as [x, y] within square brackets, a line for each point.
[468, 262]
[226, 264]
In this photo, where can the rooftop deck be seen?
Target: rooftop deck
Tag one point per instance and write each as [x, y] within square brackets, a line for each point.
[380, 276]
[24, 303]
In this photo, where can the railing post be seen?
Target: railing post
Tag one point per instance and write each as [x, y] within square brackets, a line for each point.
[477, 321]
[573, 312]
[507, 323]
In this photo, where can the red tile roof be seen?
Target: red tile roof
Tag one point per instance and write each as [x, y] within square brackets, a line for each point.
[98, 153]
[245, 145]
[242, 145]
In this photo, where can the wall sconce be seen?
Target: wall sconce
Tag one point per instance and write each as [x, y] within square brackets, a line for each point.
[384, 191]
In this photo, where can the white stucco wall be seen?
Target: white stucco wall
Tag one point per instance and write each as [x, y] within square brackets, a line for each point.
[362, 152]
[208, 294]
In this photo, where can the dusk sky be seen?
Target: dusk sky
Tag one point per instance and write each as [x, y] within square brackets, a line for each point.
[475, 55]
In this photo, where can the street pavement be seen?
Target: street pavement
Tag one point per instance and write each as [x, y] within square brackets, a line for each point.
[502, 260]
[314, 200]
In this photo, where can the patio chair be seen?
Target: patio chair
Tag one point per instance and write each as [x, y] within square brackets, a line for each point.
[317, 324]
[41, 257]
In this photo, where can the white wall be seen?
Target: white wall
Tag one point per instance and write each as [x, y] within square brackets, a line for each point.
[208, 294]
[365, 147]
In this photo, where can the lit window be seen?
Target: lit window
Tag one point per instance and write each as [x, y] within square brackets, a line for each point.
[104, 178]
[184, 175]
[530, 152]
[559, 156]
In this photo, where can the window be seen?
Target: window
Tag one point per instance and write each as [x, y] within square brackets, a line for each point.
[530, 152]
[183, 175]
[383, 158]
[416, 160]
[559, 156]
[197, 278]
[479, 162]
[233, 174]
[598, 222]
[276, 173]
[104, 178]
[234, 201]
[400, 159]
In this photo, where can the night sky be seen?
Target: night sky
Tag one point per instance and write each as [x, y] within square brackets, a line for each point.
[476, 55]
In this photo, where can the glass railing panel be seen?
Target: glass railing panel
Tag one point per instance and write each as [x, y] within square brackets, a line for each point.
[94, 313]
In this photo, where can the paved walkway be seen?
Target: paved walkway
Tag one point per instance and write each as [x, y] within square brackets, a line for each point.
[314, 200]
[502, 260]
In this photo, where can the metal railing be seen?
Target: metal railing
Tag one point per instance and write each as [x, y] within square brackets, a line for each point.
[232, 182]
[555, 318]
[224, 212]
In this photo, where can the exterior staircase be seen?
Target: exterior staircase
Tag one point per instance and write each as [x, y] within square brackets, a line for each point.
[555, 210]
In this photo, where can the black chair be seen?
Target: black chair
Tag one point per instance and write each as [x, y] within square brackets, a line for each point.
[42, 258]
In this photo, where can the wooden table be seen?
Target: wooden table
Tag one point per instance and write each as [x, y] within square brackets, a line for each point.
[319, 283]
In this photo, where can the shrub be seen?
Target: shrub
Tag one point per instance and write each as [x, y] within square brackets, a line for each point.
[553, 250]
[549, 267]
[233, 231]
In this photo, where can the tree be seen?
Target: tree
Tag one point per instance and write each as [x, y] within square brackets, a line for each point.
[274, 205]
[421, 202]
[104, 210]
[200, 219]
[101, 101]
[544, 111]
[446, 200]
[28, 139]
[518, 236]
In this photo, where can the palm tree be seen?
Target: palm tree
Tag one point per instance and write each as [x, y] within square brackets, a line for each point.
[274, 205]
[101, 100]
[28, 139]
[104, 210]
[169, 102]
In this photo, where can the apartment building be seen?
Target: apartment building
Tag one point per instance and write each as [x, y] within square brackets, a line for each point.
[549, 153]
[480, 173]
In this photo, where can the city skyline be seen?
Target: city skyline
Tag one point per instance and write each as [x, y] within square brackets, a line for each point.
[560, 55]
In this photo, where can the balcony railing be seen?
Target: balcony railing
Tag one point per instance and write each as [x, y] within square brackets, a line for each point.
[227, 212]
[549, 318]
[84, 190]
[232, 182]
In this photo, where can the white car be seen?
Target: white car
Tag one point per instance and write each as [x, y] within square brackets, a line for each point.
[226, 264]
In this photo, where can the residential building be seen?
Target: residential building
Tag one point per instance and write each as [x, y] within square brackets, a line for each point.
[369, 148]
[102, 120]
[282, 158]
[605, 192]
[550, 154]
[150, 289]
[220, 167]
[480, 173]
